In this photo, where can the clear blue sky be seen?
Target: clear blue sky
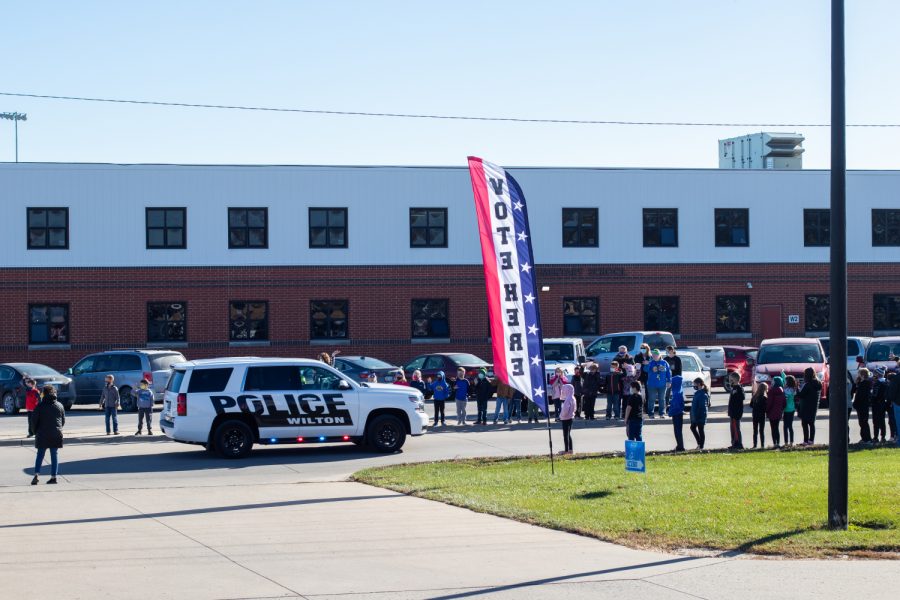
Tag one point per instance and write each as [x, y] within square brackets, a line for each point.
[695, 60]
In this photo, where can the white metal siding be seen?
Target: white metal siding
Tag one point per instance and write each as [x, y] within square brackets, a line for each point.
[107, 212]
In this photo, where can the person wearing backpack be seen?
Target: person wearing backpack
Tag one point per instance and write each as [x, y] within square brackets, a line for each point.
[699, 412]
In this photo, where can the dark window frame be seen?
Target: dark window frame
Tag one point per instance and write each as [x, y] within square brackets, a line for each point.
[891, 321]
[328, 227]
[330, 320]
[247, 228]
[68, 324]
[813, 219]
[428, 227]
[430, 334]
[232, 322]
[578, 230]
[165, 228]
[46, 228]
[182, 322]
[891, 231]
[660, 300]
[814, 303]
[580, 315]
[656, 214]
[721, 327]
[727, 221]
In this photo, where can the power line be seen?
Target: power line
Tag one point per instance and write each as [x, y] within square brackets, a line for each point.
[351, 113]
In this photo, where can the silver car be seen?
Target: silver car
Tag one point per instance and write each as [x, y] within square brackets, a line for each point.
[128, 367]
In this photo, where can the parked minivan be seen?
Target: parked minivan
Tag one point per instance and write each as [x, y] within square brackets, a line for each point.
[882, 352]
[128, 367]
[604, 348]
[856, 346]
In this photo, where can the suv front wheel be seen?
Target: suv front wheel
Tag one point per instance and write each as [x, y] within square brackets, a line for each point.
[233, 439]
[386, 433]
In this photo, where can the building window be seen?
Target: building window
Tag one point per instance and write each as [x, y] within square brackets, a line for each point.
[249, 321]
[579, 227]
[816, 227]
[732, 314]
[885, 227]
[48, 228]
[732, 226]
[818, 313]
[580, 316]
[166, 322]
[430, 319]
[661, 313]
[428, 228]
[660, 227]
[248, 227]
[328, 319]
[165, 228]
[327, 227]
[886, 312]
[48, 324]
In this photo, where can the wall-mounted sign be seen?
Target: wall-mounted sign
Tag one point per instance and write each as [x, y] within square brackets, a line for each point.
[793, 319]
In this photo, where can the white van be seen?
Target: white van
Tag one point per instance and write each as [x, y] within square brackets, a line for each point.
[229, 404]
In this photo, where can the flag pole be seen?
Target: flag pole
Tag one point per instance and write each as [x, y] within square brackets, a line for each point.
[550, 439]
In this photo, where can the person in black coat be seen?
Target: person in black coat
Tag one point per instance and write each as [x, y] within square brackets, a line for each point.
[49, 419]
[808, 405]
[861, 402]
[736, 411]
[590, 387]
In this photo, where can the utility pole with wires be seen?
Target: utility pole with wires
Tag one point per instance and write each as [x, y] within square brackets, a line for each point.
[15, 117]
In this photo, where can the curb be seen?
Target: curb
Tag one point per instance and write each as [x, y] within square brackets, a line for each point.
[111, 439]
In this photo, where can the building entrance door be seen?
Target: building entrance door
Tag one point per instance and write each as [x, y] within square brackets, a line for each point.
[771, 321]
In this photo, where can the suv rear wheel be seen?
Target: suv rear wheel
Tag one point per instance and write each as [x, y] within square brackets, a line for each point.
[233, 439]
[386, 434]
[10, 406]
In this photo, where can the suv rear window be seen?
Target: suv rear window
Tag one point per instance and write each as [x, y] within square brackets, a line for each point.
[162, 362]
[209, 380]
[174, 383]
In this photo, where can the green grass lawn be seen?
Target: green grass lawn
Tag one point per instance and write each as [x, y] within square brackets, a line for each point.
[759, 502]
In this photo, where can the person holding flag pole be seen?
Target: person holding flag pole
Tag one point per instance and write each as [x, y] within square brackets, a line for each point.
[510, 283]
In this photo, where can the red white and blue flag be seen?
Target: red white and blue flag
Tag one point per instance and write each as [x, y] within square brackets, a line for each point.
[510, 280]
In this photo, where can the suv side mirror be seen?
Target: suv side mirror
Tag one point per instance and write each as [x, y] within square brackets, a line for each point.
[343, 385]
[69, 371]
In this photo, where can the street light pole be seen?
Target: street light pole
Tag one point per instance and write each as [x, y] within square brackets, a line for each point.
[15, 117]
[838, 396]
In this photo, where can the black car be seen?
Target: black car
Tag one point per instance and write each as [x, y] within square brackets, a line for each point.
[12, 390]
[360, 367]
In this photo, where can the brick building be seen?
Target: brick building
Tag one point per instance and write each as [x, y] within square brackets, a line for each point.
[385, 261]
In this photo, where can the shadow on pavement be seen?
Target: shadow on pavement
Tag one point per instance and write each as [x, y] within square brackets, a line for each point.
[199, 511]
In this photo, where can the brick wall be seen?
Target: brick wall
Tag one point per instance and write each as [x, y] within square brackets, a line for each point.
[108, 306]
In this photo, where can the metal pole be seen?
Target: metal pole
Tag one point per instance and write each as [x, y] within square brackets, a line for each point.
[838, 417]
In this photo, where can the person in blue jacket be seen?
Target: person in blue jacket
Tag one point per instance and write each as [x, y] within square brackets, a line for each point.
[440, 390]
[461, 394]
[659, 378]
[676, 411]
[699, 412]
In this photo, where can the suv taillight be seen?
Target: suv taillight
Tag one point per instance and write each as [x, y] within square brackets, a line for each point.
[149, 377]
[182, 405]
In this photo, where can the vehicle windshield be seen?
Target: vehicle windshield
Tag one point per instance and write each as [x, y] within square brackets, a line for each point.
[36, 370]
[611, 343]
[367, 362]
[789, 353]
[559, 352]
[689, 363]
[469, 360]
[882, 351]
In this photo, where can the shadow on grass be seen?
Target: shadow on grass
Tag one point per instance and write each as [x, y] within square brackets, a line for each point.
[595, 495]
[750, 545]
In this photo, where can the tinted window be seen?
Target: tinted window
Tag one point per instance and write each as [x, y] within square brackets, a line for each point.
[85, 366]
[466, 359]
[882, 351]
[36, 370]
[661, 227]
[175, 379]
[659, 340]
[162, 362]
[130, 362]
[370, 363]
[318, 378]
[434, 362]
[789, 353]
[6, 374]
[826, 345]
[611, 344]
[209, 380]
[415, 364]
[558, 352]
[272, 378]
[106, 363]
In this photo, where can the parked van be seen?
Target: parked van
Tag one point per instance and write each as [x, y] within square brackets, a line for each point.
[856, 346]
[128, 367]
[883, 352]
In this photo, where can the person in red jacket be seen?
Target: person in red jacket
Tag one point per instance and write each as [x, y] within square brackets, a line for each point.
[32, 399]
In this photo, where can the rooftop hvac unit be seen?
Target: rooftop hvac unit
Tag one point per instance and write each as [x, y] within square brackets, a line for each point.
[762, 151]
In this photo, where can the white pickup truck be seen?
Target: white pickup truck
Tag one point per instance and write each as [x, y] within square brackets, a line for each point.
[565, 353]
[229, 404]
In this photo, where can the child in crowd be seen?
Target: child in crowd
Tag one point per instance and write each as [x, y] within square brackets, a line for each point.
[503, 403]
[515, 405]
[676, 411]
[441, 390]
[566, 415]
[109, 402]
[659, 379]
[634, 404]
[862, 402]
[775, 404]
[32, 399]
[879, 406]
[590, 387]
[144, 397]
[614, 392]
[758, 407]
[417, 383]
[577, 381]
[556, 382]
[483, 393]
[461, 395]
[736, 410]
[699, 412]
[790, 392]
[401, 379]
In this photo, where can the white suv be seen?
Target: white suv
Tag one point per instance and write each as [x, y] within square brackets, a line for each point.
[228, 404]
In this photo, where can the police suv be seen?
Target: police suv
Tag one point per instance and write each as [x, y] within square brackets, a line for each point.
[229, 404]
